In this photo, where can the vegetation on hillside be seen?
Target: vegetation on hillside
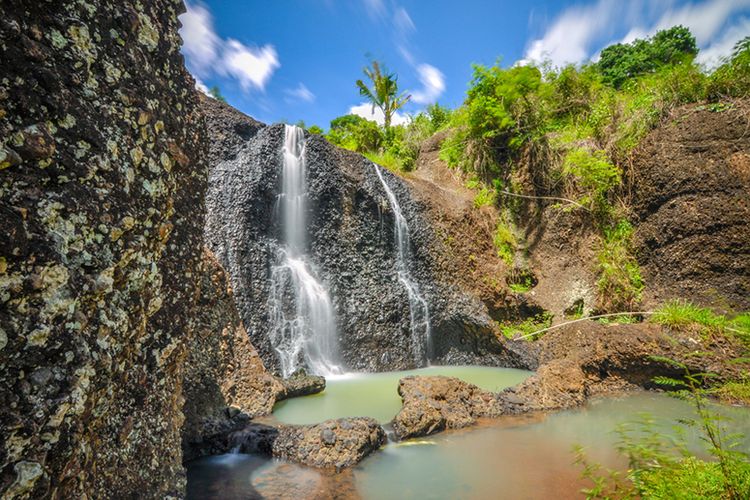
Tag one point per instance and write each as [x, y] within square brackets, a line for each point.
[570, 130]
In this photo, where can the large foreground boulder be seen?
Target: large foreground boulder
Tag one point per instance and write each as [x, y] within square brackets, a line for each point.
[102, 179]
[333, 444]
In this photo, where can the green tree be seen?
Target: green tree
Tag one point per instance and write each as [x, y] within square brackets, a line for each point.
[355, 133]
[620, 62]
[383, 91]
[216, 94]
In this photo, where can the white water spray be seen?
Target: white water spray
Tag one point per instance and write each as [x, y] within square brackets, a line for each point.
[303, 324]
[419, 311]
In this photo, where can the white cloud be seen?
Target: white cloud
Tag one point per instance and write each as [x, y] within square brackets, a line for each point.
[402, 22]
[433, 82]
[300, 93]
[712, 55]
[365, 110]
[206, 54]
[570, 37]
[199, 85]
[252, 67]
[576, 35]
[200, 42]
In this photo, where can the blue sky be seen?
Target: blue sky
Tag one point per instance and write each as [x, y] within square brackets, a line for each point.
[298, 59]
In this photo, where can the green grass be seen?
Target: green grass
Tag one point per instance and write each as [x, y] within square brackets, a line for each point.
[680, 313]
[683, 314]
[620, 282]
[734, 391]
[505, 242]
[691, 478]
[530, 325]
[485, 197]
[387, 160]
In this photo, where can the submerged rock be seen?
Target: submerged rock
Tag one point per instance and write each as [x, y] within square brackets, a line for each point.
[433, 404]
[335, 444]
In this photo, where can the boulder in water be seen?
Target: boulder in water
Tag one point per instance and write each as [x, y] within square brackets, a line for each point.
[433, 404]
[335, 444]
[300, 384]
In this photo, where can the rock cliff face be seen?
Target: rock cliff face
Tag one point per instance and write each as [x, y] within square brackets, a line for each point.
[102, 178]
[225, 381]
[353, 247]
[691, 184]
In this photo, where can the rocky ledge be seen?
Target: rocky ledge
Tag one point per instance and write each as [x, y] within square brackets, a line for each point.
[574, 363]
[333, 444]
[300, 384]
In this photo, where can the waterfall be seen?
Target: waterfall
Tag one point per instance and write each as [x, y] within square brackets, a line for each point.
[419, 311]
[303, 323]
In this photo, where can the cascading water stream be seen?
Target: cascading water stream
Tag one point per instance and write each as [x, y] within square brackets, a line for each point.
[303, 323]
[419, 311]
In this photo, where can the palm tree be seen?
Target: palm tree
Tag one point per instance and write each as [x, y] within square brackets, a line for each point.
[384, 91]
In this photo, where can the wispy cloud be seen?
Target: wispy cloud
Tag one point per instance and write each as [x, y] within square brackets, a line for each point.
[376, 9]
[581, 31]
[299, 93]
[207, 54]
[433, 84]
[365, 110]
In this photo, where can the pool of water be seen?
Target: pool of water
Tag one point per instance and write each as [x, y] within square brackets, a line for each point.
[512, 457]
[376, 394]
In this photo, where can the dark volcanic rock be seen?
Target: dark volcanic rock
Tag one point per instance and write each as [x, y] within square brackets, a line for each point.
[433, 404]
[692, 198]
[352, 246]
[300, 384]
[335, 444]
[225, 382]
[102, 185]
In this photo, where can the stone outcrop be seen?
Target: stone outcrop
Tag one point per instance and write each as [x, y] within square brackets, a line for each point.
[691, 179]
[333, 444]
[353, 247]
[300, 384]
[102, 178]
[433, 404]
[225, 381]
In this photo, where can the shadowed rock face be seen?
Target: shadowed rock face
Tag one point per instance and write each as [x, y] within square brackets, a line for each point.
[352, 246]
[102, 211]
[225, 382]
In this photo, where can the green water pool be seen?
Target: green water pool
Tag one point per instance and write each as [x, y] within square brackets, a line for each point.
[376, 394]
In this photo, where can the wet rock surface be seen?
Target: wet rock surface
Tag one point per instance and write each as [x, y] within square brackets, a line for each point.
[433, 404]
[300, 384]
[333, 444]
[102, 178]
[352, 248]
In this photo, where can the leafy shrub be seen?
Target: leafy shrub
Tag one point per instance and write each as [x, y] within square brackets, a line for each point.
[620, 282]
[595, 174]
[527, 327]
[355, 133]
[732, 78]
